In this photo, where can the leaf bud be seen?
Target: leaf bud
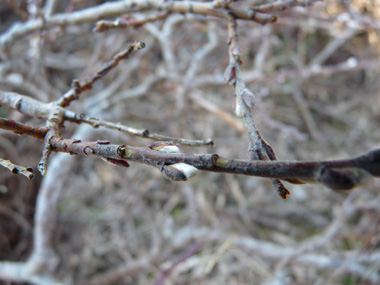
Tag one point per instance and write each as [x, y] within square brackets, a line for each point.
[230, 74]
[179, 171]
[249, 98]
[117, 162]
[164, 146]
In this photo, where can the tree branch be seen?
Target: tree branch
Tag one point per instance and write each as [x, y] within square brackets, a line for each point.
[258, 148]
[335, 174]
[17, 169]
[113, 9]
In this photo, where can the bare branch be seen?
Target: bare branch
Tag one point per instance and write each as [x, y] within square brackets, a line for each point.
[112, 9]
[124, 22]
[283, 5]
[144, 133]
[34, 108]
[20, 128]
[16, 169]
[335, 174]
[258, 148]
[78, 88]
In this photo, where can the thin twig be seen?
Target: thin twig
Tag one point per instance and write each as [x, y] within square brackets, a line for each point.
[17, 169]
[78, 87]
[113, 9]
[124, 22]
[144, 133]
[258, 148]
[20, 128]
[190, 251]
[37, 109]
[283, 5]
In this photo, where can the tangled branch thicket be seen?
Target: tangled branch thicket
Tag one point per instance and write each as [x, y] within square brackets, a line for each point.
[179, 87]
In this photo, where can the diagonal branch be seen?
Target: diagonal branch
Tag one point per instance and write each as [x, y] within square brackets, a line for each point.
[40, 110]
[23, 129]
[78, 88]
[144, 133]
[17, 169]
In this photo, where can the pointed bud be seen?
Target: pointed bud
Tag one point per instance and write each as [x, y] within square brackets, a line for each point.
[100, 27]
[230, 74]
[249, 98]
[179, 171]
[165, 146]
[236, 53]
[117, 162]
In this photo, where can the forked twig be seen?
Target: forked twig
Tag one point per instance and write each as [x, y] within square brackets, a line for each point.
[258, 148]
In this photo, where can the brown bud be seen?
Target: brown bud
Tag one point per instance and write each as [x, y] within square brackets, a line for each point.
[236, 53]
[117, 162]
[230, 74]
[249, 98]
[165, 146]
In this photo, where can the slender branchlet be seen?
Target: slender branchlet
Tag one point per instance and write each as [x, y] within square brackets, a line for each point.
[78, 88]
[282, 5]
[125, 22]
[117, 8]
[17, 169]
[258, 148]
[23, 129]
[40, 110]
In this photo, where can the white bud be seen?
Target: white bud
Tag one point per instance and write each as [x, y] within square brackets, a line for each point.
[167, 147]
[187, 169]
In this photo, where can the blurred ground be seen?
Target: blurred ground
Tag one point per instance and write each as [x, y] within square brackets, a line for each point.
[316, 77]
